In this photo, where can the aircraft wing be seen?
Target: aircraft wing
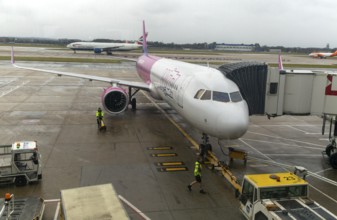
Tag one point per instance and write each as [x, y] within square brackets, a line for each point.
[110, 48]
[139, 85]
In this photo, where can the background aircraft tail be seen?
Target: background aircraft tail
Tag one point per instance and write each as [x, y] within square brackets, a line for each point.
[140, 40]
[280, 64]
[334, 53]
[12, 56]
[144, 39]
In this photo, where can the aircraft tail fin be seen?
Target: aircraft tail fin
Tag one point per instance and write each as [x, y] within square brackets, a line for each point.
[141, 39]
[334, 53]
[144, 39]
[12, 56]
[280, 64]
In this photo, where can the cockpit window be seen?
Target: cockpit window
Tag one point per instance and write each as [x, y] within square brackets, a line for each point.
[236, 96]
[199, 93]
[220, 96]
[207, 95]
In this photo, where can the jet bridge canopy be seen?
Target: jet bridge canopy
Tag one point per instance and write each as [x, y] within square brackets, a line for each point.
[251, 78]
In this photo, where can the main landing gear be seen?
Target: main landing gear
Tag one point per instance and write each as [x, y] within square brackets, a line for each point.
[331, 148]
[132, 100]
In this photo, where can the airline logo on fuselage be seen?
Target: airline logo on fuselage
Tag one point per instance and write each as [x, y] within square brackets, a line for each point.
[169, 81]
[331, 88]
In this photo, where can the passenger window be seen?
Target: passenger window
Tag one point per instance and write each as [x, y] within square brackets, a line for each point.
[236, 96]
[207, 95]
[220, 96]
[199, 93]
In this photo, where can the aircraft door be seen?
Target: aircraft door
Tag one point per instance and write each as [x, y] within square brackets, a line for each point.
[181, 90]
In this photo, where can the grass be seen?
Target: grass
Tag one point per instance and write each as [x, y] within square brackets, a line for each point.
[62, 59]
[304, 66]
[30, 45]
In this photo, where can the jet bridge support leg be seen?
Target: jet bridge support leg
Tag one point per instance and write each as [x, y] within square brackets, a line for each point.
[331, 148]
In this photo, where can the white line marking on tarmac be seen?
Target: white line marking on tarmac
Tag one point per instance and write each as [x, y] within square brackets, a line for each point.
[321, 171]
[303, 142]
[324, 139]
[13, 89]
[296, 155]
[290, 145]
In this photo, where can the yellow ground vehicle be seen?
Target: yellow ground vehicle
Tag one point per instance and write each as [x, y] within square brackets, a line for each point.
[279, 196]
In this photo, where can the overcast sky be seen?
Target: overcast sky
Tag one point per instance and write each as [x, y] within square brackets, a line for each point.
[291, 23]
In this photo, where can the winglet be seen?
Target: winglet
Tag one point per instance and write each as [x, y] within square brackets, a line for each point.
[12, 56]
[280, 64]
[144, 39]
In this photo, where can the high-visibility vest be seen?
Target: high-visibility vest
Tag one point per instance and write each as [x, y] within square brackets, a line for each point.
[197, 169]
[99, 114]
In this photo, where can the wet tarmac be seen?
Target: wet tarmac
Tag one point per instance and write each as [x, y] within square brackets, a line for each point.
[59, 112]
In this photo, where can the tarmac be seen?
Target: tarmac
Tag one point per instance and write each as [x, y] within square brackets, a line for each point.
[59, 112]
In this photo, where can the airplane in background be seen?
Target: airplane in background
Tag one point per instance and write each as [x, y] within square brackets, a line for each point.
[202, 95]
[323, 55]
[99, 47]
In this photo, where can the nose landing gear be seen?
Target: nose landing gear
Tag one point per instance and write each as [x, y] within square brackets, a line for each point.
[205, 146]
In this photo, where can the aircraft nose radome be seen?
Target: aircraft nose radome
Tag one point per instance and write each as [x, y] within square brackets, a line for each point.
[233, 124]
[69, 45]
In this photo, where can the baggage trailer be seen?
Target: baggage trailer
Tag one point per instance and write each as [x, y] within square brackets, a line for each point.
[20, 163]
[30, 208]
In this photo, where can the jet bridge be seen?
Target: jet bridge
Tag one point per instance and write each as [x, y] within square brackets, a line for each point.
[297, 92]
[251, 78]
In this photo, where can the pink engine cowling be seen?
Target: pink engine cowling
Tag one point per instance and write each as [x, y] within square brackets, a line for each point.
[115, 99]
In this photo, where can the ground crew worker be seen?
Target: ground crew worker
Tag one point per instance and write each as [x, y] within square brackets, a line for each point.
[197, 175]
[99, 116]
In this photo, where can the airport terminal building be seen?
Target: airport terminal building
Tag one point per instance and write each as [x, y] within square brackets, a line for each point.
[235, 47]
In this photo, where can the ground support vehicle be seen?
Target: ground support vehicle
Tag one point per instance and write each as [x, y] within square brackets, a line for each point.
[279, 196]
[20, 163]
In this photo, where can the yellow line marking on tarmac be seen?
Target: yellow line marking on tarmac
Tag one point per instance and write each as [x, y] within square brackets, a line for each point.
[175, 163]
[172, 169]
[189, 138]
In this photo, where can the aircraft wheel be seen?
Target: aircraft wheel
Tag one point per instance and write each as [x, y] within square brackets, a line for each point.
[20, 181]
[329, 149]
[133, 103]
[333, 160]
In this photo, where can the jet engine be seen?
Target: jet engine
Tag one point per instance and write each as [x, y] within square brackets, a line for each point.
[98, 50]
[115, 99]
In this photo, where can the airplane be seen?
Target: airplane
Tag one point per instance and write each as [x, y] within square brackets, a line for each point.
[99, 47]
[323, 55]
[202, 95]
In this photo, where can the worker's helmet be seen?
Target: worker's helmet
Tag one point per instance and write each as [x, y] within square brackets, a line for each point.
[99, 109]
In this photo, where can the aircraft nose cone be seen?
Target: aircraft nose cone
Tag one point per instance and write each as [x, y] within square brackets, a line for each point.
[233, 124]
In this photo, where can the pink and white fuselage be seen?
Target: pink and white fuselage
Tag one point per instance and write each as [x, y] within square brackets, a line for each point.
[178, 83]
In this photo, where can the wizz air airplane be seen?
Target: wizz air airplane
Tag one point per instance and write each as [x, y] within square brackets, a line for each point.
[323, 55]
[202, 95]
[99, 47]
